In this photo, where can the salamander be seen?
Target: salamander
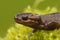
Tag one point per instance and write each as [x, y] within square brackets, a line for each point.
[39, 22]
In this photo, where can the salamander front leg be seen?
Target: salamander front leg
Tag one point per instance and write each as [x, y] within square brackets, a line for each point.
[33, 30]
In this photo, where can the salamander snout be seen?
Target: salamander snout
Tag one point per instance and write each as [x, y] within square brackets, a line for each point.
[21, 17]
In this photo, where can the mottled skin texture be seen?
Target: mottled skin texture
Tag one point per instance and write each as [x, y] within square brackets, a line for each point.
[41, 22]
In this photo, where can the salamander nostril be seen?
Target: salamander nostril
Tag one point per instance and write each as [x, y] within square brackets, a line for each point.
[24, 17]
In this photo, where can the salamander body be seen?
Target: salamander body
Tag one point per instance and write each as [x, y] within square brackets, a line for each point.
[45, 22]
[39, 22]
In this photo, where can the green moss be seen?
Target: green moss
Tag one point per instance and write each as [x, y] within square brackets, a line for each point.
[21, 33]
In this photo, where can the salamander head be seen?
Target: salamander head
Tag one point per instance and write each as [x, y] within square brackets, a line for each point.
[28, 19]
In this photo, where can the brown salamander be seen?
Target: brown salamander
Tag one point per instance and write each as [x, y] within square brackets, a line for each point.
[41, 22]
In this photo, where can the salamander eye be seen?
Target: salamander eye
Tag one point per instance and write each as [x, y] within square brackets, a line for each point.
[24, 17]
